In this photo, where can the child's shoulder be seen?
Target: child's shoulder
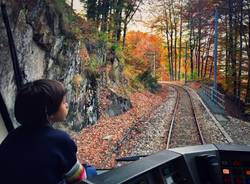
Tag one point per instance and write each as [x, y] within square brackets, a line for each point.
[56, 132]
[58, 136]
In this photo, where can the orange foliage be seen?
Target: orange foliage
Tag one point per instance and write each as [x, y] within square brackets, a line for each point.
[84, 55]
[140, 50]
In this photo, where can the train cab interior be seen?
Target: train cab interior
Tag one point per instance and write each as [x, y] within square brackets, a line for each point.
[5, 121]
[202, 164]
[198, 164]
[3, 130]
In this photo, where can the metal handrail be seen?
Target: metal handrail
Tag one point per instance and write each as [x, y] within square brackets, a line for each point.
[215, 96]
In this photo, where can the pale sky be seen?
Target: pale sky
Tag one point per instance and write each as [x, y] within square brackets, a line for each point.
[139, 21]
[77, 5]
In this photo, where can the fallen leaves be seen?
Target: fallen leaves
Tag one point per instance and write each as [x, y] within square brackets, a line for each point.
[97, 144]
[195, 85]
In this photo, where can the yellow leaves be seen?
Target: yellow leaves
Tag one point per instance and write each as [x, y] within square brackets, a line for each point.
[141, 49]
[84, 55]
[77, 80]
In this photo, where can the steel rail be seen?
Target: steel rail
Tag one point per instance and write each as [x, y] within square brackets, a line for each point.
[174, 116]
[195, 118]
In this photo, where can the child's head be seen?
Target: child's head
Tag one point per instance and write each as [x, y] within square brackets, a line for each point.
[41, 101]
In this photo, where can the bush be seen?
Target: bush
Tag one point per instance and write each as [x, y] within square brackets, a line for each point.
[148, 81]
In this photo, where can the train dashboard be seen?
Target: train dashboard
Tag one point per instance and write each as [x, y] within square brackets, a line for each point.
[201, 164]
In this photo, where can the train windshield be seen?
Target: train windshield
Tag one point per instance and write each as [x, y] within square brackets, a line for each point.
[141, 76]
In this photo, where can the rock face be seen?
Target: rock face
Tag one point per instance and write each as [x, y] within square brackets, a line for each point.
[44, 50]
[119, 104]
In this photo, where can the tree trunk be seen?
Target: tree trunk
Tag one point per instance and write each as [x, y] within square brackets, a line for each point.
[105, 13]
[191, 51]
[211, 69]
[124, 36]
[71, 4]
[186, 56]
[180, 45]
[98, 14]
[207, 53]
[175, 40]
[194, 54]
[129, 14]
[166, 19]
[203, 56]
[175, 49]
[199, 49]
[227, 53]
[169, 57]
[232, 74]
[171, 43]
[234, 57]
[91, 9]
[247, 100]
[169, 60]
[118, 20]
[241, 47]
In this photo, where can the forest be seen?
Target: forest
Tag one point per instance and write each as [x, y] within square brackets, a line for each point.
[189, 40]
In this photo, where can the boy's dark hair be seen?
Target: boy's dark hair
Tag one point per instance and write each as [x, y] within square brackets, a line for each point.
[37, 100]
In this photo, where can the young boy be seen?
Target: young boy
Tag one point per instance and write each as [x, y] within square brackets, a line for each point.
[36, 153]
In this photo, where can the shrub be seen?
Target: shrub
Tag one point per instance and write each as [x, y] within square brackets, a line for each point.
[148, 81]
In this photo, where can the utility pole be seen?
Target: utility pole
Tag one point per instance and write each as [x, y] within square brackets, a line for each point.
[216, 17]
[154, 63]
[152, 56]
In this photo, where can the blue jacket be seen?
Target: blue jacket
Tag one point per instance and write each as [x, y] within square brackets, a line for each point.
[40, 155]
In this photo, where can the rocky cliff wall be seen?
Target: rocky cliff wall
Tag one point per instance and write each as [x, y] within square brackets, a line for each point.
[46, 50]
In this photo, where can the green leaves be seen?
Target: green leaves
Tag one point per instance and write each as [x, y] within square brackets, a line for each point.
[149, 81]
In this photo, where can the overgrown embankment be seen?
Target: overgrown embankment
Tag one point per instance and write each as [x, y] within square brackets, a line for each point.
[97, 144]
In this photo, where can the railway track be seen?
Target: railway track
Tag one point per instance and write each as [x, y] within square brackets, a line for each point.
[174, 128]
[184, 128]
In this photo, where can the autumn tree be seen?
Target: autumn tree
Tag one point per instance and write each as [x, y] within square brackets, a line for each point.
[188, 31]
[112, 17]
[142, 50]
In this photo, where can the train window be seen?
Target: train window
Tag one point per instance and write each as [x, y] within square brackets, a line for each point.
[142, 182]
[153, 176]
[169, 180]
[148, 179]
[3, 130]
[170, 174]
[139, 180]
[5, 119]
